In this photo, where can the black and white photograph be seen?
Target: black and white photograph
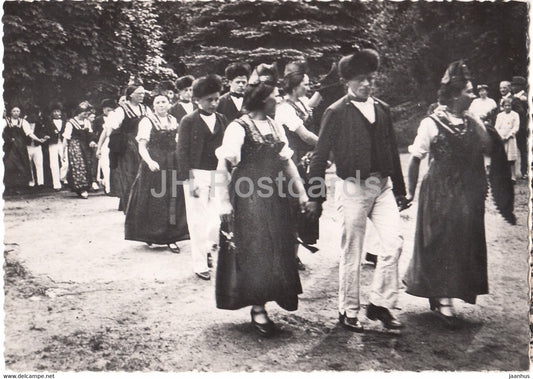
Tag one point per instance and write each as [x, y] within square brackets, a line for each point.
[275, 187]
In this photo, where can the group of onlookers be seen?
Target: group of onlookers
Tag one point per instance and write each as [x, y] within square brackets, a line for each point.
[510, 119]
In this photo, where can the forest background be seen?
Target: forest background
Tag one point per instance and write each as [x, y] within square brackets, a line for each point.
[69, 51]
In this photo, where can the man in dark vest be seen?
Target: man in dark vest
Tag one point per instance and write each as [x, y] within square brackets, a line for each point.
[357, 128]
[184, 105]
[519, 104]
[230, 104]
[200, 134]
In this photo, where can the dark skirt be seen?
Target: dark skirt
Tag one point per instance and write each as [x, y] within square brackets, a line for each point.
[16, 161]
[450, 253]
[259, 265]
[156, 209]
[79, 173]
[124, 170]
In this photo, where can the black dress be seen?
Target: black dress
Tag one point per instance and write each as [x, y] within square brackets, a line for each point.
[124, 156]
[259, 265]
[450, 252]
[156, 208]
[16, 161]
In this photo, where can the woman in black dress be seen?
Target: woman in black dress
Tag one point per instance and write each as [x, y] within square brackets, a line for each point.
[156, 209]
[124, 156]
[77, 134]
[17, 172]
[261, 267]
[450, 253]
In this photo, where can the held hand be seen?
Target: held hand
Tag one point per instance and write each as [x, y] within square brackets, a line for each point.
[313, 209]
[153, 166]
[302, 201]
[403, 202]
[93, 144]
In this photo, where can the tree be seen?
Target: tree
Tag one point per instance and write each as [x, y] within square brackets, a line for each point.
[71, 51]
[220, 33]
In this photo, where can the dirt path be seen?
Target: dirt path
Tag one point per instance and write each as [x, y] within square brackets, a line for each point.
[79, 297]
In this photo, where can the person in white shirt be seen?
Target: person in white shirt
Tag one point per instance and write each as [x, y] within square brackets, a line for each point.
[295, 116]
[35, 151]
[102, 150]
[124, 156]
[184, 105]
[484, 107]
[255, 151]
[507, 125]
[505, 91]
[230, 104]
[54, 128]
[200, 134]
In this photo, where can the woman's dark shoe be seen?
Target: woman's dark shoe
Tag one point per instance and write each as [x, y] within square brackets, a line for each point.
[435, 306]
[174, 247]
[374, 312]
[264, 329]
[350, 323]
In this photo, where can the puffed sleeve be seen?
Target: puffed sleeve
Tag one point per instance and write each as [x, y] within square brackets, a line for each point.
[427, 131]
[286, 116]
[26, 127]
[285, 153]
[232, 144]
[145, 128]
[115, 118]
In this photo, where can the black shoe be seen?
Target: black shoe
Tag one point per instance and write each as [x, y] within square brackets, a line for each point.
[174, 247]
[350, 323]
[265, 330]
[374, 312]
[299, 264]
[435, 306]
[203, 275]
[209, 260]
[371, 258]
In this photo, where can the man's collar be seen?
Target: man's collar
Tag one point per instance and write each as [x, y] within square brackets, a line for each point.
[351, 97]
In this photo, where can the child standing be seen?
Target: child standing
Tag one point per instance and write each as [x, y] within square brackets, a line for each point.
[507, 125]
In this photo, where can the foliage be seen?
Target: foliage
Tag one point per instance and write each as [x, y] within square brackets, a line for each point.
[265, 32]
[77, 50]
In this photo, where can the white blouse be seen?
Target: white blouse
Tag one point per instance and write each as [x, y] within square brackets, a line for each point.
[145, 126]
[230, 150]
[482, 107]
[286, 115]
[115, 118]
[234, 139]
[67, 133]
